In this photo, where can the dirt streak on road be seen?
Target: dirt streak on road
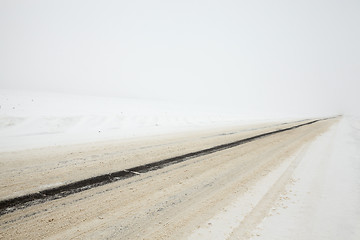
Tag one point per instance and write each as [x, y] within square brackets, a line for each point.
[167, 203]
[54, 166]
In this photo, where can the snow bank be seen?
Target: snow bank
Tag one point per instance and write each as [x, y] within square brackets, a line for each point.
[39, 119]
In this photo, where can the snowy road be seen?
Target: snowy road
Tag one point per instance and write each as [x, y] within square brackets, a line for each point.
[175, 202]
[323, 200]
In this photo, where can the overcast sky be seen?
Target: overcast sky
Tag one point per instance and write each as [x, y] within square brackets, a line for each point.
[284, 56]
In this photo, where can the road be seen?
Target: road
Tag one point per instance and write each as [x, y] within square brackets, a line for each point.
[168, 203]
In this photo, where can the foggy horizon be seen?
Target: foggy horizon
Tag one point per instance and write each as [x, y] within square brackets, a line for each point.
[279, 56]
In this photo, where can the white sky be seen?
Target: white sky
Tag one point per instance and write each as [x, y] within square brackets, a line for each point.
[280, 56]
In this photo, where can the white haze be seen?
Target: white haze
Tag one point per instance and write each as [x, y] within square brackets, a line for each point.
[278, 57]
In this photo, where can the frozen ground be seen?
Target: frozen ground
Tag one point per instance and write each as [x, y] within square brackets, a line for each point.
[310, 193]
[38, 119]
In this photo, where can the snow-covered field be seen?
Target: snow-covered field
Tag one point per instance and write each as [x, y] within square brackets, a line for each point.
[39, 119]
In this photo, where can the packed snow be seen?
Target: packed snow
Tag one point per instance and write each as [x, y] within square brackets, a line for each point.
[323, 202]
[320, 200]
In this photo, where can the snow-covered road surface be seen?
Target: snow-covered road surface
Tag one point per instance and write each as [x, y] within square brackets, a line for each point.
[323, 199]
[171, 203]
